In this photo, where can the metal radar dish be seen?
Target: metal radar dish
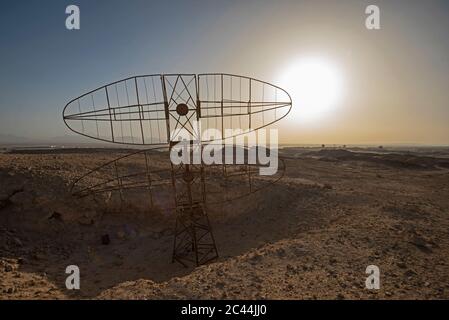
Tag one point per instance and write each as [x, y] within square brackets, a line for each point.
[158, 110]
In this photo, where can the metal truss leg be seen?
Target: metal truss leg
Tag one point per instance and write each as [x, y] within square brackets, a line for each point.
[194, 242]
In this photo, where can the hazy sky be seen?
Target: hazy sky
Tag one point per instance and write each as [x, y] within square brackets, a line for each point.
[395, 81]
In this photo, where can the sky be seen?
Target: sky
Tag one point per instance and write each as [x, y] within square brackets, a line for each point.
[393, 82]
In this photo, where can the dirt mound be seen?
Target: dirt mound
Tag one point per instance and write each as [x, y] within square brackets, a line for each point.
[333, 153]
[393, 159]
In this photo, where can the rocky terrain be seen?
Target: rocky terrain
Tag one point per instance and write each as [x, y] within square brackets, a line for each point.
[310, 236]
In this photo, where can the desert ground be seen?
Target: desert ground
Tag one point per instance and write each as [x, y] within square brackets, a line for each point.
[309, 236]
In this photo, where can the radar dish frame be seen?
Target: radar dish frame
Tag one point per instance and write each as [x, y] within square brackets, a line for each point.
[177, 101]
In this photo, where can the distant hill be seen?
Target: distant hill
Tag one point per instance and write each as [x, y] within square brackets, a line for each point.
[11, 139]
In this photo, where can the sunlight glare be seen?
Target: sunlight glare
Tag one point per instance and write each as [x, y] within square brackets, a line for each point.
[315, 85]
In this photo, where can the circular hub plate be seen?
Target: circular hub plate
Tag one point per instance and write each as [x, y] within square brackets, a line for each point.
[182, 109]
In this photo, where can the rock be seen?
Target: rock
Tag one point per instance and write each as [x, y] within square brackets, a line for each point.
[219, 272]
[167, 232]
[255, 258]
[85, 221]
[105, 240]
[7, 195]
[8, 268]
[299, 252]
[291, 269]
[90, 214]
[130, 231]
[56, 216]
[280, 253]
[421, 244]
[38, 256]
[22, 198]
[307, 267]
[17, 241]
[409, 273]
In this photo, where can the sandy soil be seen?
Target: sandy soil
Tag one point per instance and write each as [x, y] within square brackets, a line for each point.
[310, 236]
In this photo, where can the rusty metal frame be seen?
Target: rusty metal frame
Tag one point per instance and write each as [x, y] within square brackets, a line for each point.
[193, 240]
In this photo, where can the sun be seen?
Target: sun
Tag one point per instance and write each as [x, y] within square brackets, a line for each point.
[315, 85]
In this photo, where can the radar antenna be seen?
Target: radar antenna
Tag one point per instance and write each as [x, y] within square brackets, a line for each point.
[158, 110]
